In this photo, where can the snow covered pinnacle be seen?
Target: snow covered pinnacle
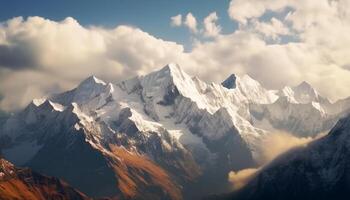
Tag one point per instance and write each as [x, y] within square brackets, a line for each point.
[92, 80]
[173, 70]
[305, 93]
[230, 82]
[172, 66]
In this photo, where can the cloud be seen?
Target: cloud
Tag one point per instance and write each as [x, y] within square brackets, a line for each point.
[346, 66]
[299, 51]
[176, 20]
[210, 26]
[273, 145]
[244, 10]
[242, 177]
[40, 56]
[272, 29]
[191, 22]
[211, 29]
[16, 56]
[282, 43]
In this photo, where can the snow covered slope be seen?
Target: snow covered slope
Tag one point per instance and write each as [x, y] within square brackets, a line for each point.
[300, 111]
[165, 130]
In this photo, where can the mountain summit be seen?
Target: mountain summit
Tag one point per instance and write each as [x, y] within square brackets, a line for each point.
[230, 82]
[163, 135]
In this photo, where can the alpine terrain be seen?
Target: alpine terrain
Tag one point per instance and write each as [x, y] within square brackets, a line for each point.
[318, 171]
[23, 183]
[166, 135]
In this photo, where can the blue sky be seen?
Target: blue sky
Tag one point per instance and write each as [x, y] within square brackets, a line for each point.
[152, 16]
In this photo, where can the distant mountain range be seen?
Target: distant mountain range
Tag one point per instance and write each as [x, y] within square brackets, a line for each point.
[165, 135]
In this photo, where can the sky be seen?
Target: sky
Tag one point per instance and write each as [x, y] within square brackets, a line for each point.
[151, 16]
[48, 47]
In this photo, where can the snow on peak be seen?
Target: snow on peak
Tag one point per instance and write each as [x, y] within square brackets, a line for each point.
[305, 93]
[90, 81]
[288, 93]
[172, 66]
[171, 80]
[171, 73]
[174, 71]
[49, 105]
[86, 90]
[38, 102]
[249, 80]
[230, 82]
[253, 90]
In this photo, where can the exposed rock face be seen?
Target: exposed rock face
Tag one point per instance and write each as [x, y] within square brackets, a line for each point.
[140, 137]
[23, 183]
[230, 82]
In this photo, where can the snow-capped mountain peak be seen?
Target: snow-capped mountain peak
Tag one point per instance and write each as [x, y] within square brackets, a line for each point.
[171, 74]
[166, 112]
[244, 81]
[305, 93]
[91, 80]
[49, 105]
[38, 102]
[89, 86]
[164, 85]
[86, 90]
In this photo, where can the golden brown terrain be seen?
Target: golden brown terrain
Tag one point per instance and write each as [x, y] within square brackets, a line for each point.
[24, 184]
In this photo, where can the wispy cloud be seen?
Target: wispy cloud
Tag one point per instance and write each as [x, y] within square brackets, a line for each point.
[211, 28]
[242, 177]
[191, 22]
[276, 144]
[176, 20]
[271, 146]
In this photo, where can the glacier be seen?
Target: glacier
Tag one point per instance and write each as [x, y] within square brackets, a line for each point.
[192, 129]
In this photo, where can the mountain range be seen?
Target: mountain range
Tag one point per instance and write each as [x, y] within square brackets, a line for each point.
[164, 135]
[319, 170]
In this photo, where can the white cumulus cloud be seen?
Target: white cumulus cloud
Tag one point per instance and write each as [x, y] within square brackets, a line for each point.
[40, 56]
[176, 20]
[191, 22]
[211, 29]
[272, 29]
[244, 10]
